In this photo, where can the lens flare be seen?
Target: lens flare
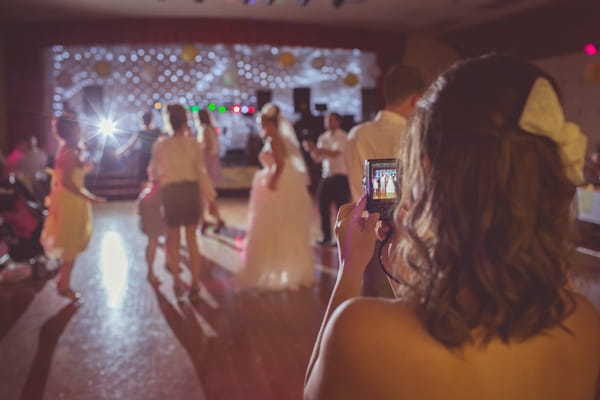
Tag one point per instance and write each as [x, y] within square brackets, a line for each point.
[107, 127]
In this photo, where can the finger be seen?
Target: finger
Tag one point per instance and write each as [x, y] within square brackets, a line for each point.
[371, 221]
[382, 231]
[360, 207]
[345, 210]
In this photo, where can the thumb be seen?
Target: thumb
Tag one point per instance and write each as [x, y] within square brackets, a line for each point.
[371, 221]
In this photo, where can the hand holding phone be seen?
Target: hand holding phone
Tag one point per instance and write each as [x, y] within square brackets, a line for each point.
[381, 185]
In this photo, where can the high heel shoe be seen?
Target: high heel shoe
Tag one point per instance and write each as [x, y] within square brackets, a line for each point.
[179, 291]
[194, 295]
[203, 227]
[219, 225]
[70, 294]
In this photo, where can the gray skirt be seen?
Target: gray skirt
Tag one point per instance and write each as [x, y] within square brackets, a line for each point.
[181, 204]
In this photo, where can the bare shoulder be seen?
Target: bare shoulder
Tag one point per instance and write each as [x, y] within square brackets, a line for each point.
[376, 310]
[359, 354]
[376, 323]
[585, 320]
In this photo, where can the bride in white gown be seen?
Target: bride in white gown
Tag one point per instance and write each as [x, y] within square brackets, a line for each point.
[277, 254]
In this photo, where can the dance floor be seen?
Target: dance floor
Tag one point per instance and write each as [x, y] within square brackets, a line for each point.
[129, 341]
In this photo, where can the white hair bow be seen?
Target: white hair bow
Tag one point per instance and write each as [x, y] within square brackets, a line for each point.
[543, 116]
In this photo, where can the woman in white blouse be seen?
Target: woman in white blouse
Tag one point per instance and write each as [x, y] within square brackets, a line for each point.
[178, 162]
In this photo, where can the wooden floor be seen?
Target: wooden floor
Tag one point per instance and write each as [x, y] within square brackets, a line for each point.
[129, 341]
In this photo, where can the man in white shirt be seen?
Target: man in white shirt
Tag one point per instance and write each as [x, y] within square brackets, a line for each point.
[330, 150]
[381, 138]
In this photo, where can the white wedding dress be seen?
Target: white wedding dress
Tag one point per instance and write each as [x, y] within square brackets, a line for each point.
[277, 253]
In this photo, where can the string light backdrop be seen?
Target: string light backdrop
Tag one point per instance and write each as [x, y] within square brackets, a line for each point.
[138, 78]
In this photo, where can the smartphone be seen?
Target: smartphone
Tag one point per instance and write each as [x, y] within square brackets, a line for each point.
[381, 184]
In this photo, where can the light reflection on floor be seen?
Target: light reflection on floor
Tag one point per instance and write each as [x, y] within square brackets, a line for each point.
[114, 268]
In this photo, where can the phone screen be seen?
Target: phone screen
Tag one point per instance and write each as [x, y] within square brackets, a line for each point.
[384, 178]
[381, 182]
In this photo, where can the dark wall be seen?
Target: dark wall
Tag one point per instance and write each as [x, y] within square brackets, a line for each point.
[558, 28]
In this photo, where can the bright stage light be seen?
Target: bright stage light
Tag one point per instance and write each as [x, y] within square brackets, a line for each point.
[107, 127]
[591, 49]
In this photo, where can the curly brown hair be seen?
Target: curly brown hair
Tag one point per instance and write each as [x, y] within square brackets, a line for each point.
[489, 225]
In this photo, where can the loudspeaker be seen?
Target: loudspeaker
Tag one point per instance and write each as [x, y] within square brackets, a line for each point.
[347, 122]
[321, 107]
[93, 100]
[302, 100]
[262, 98]
[369, 104]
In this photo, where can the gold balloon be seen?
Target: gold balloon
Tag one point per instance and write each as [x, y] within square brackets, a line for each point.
[189, 53]
[286, 59]
[351, 80]
[592, 73]
[103, 68]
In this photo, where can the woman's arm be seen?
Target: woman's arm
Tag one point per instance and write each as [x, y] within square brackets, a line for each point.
[69, 162]
[123, 149]
[318, 153]
[279, 154]
[356, 242]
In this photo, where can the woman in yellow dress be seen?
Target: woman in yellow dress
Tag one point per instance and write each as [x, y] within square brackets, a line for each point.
[68, 226]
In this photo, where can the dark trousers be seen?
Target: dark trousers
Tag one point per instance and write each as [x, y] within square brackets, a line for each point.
[333, 189]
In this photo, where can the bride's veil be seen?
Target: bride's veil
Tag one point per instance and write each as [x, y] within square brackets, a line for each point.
[293, 147]
[288, 134]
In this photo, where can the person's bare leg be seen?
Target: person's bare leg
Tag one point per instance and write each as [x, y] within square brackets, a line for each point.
[173, 258]
[63, 285]
[192, 245]
[150, 253]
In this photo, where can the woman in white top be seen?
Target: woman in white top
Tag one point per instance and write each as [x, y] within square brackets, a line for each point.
[207, 135]
[482, 245]
[178, 163]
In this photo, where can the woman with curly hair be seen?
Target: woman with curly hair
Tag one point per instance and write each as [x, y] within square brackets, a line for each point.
[480, 252]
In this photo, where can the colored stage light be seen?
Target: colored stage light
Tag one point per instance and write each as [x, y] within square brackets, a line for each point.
[157, 106]
[212, 107]
[222, 109]
[236, 108]
[591, 49]
[195, 109]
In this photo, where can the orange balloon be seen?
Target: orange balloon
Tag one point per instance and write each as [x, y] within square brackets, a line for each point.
[286, 59]
[103, 68]
[189, 53]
